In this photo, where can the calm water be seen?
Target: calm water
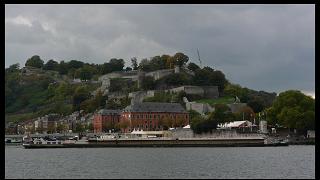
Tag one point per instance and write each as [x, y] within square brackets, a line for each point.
[230, 162]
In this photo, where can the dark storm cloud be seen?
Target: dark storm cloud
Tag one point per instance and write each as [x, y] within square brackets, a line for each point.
[263, 47]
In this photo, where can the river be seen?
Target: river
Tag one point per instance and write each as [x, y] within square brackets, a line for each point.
[198, 162]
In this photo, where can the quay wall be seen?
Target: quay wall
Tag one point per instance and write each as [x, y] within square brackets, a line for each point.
[162, 143]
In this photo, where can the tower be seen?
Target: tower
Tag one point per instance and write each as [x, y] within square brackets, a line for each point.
[176, 69]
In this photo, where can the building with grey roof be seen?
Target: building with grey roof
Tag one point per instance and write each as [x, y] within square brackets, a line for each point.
[105, 120]
[155, 107]
[153, 116]
[109, 111]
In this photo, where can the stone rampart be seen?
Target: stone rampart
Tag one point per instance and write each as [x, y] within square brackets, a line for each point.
[211, 91]
[201, 108]
[160, 73]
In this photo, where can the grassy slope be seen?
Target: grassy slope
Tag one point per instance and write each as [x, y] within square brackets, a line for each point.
[221, 100]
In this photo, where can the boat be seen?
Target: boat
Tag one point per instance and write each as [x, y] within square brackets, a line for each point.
[278, 142]
[9, 141]
[40, 142]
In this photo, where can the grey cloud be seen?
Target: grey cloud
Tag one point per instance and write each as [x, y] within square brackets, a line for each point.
[264, 47]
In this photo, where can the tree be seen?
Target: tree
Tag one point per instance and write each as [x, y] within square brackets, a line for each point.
[256, 104]
[165, 59]
[179, 121]
[75, 64]
[180, 59]
[39, 130]
[200, 125]
[193, 67]
[166, 122]
[90, 105]
[145, 65]
[134, 63]
[86, 72]
[209, 77]
[293, 109]
[177, 79]
[61, 128]
[81, 94]
[245, 112]
[170, 62]
[124, 124]
[193, 113]
[51, 65]
[79, 128]
[222, 114]
[63, 68]
[107, 126]
[35, 61]
[62, 91]
[116, 64]
[90, 127]
[128, 69]
[13, 68]
[51, 129]
[157, 63]
[105, 68]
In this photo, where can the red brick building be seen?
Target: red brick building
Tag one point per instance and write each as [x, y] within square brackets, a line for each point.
[105, 119]
[149, 116]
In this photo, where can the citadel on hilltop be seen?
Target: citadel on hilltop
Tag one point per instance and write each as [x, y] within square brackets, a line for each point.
[161, 93]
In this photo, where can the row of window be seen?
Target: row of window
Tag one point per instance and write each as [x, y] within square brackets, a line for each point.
[140, 126]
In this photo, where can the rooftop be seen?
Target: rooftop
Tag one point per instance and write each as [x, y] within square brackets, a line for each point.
[108, 111]
[155, 107]
[236, 124]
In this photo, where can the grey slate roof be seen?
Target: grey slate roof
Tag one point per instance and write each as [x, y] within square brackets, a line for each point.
[108, 111]
[155, 107]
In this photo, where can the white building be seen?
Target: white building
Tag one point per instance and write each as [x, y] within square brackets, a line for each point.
[235, 125]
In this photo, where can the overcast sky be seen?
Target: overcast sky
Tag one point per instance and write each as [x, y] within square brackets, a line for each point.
[262, 47]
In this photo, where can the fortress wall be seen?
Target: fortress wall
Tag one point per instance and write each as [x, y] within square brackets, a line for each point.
[194, 90]
[211, 91]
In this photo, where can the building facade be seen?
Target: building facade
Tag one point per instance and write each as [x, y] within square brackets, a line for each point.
[150, 116]
[105, 119]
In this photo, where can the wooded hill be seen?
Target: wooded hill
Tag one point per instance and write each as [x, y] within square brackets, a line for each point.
[41, 88]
